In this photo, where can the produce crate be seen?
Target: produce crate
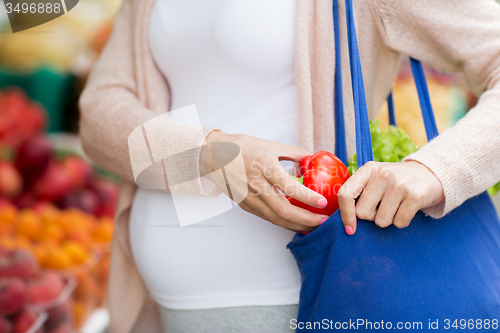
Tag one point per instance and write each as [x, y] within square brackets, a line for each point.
[59, 311]
[38, 326]
[91, 278]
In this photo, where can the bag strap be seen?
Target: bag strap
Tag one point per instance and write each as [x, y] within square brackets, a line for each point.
[340, 141]
[364, 150]
[392, 113]
[425, 100]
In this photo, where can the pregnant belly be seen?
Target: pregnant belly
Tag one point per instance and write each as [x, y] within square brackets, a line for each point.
[234, 259]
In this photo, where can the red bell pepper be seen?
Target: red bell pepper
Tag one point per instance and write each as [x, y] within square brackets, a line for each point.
[324, 173]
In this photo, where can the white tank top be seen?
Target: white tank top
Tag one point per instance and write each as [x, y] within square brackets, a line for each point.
[234, 60]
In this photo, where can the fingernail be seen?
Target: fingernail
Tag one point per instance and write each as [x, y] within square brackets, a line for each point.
[322, 221]
[349, 230]
[322, 203]
[306, 232]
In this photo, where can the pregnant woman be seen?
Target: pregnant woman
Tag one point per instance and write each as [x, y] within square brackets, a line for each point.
[261, 76]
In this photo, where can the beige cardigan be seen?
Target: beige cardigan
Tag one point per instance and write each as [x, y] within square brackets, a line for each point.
[126, 89]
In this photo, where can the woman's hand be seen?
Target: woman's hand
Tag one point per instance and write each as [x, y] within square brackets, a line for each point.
[391, 193]
[264, 179]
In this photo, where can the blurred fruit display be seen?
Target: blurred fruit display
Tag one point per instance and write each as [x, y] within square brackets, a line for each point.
[33, 174]
[58, 209]
[66, 241]
[31, 296]
[68, 44]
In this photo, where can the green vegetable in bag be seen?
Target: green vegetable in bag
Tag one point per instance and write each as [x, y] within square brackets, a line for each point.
[393, 145]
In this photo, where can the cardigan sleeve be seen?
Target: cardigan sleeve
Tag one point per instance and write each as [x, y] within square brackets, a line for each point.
[459, 36]
[111, 110]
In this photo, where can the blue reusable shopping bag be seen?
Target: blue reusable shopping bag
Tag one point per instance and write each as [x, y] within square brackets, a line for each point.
[434, 275]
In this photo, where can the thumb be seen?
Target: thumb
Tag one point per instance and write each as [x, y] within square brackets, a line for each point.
[347, 205]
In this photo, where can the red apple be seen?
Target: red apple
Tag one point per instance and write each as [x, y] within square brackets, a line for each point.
[78, 170]
[7, 123]
[14, 101]
[11, 182]
[53, 184]
[20, 264]
[33, 120]
[18, 117]
[23, 321]
[45, 288]
[5, 325]
[34, 155]
[12, 296]
[84, 200]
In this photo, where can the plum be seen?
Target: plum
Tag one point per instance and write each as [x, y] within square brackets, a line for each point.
[53, 184]
[34, 155]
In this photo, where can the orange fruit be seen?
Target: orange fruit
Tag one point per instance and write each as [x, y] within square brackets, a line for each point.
[40, 254]
[52, 232]
[8, 215]
[81, 236]
[107, 219]
[57, 259]
[103, 232]
[6, 229]
[80, 312]
[49, 216]
[23, 243]
[76, 252]
[42, 250]
[29, 224]
[8, 242]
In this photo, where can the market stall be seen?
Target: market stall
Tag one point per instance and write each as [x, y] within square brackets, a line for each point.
[56, 207]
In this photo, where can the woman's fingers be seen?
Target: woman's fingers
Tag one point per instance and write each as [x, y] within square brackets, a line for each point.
[255, 212]
[399, 189]
[256, 204]
[348, 194]
[368, 202]
[285, 210]
[279, 178]
[388, 208]
[405, 213]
